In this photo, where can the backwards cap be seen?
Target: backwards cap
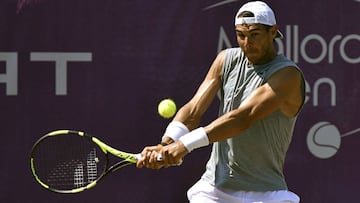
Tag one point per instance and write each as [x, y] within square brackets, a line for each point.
[263, 14]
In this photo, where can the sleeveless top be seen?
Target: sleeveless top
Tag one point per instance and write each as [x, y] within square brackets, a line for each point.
[253, 160]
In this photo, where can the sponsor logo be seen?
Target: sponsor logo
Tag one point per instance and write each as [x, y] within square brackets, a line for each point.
[299, 49]
[60, 59]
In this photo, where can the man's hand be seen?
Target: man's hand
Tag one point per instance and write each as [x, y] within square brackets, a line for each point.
[172, 155]
[149, 157]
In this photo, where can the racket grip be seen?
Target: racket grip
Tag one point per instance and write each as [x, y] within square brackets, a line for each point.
[158, 158]
[138, 156]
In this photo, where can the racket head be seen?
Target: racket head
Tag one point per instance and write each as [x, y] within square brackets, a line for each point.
[67, 161]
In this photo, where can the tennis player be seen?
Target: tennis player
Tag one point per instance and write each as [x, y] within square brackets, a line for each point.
[261, 94]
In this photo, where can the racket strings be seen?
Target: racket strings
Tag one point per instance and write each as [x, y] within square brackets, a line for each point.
[68, 163]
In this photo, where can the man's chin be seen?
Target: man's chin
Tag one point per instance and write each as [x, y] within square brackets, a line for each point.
[251, 57]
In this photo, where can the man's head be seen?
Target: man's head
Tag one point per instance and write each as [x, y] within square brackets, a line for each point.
[256, 12]
[256, 29]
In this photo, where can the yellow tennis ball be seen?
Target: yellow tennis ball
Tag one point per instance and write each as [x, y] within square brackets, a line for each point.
[167, 108]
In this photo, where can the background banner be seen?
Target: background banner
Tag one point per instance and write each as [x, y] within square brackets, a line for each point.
[103, 66]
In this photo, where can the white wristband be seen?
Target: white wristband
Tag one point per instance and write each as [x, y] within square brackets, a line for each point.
[175, 130]
[195, 139]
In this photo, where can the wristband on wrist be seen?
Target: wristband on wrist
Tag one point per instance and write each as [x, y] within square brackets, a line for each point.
[175, 130]
[195, 139]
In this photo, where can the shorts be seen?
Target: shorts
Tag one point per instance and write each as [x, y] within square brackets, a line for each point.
[203, 192]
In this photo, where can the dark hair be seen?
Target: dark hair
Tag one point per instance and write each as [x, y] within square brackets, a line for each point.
[246, 14]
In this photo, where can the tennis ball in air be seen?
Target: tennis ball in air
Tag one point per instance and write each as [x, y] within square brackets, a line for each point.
[167, 108]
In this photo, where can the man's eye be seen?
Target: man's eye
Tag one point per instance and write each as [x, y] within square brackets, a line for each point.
[241, 35]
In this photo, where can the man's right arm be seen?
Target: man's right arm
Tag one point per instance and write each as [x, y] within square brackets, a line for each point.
[191, 113]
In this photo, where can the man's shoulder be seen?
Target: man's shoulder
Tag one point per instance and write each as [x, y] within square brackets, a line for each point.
[233, 54]
[233, 50]
[285, 60]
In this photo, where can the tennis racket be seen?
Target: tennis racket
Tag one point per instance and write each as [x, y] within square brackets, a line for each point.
[67, 161]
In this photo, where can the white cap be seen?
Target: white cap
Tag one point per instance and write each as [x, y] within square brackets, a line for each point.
[263, 14]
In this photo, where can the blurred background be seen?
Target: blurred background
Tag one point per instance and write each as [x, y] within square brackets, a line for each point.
[103, 66]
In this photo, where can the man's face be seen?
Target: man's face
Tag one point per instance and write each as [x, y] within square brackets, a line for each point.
[256, 41]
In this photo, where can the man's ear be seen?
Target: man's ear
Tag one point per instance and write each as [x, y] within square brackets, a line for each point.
[273, 31]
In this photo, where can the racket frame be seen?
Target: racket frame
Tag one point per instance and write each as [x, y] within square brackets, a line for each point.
[128, 158]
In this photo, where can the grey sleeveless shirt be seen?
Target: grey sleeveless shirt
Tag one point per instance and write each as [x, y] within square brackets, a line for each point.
[253, 160]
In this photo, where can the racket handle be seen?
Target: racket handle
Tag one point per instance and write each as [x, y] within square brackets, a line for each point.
[159, 158]
[138, 156]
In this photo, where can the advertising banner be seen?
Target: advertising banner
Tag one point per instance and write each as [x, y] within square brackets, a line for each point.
[103, 66]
